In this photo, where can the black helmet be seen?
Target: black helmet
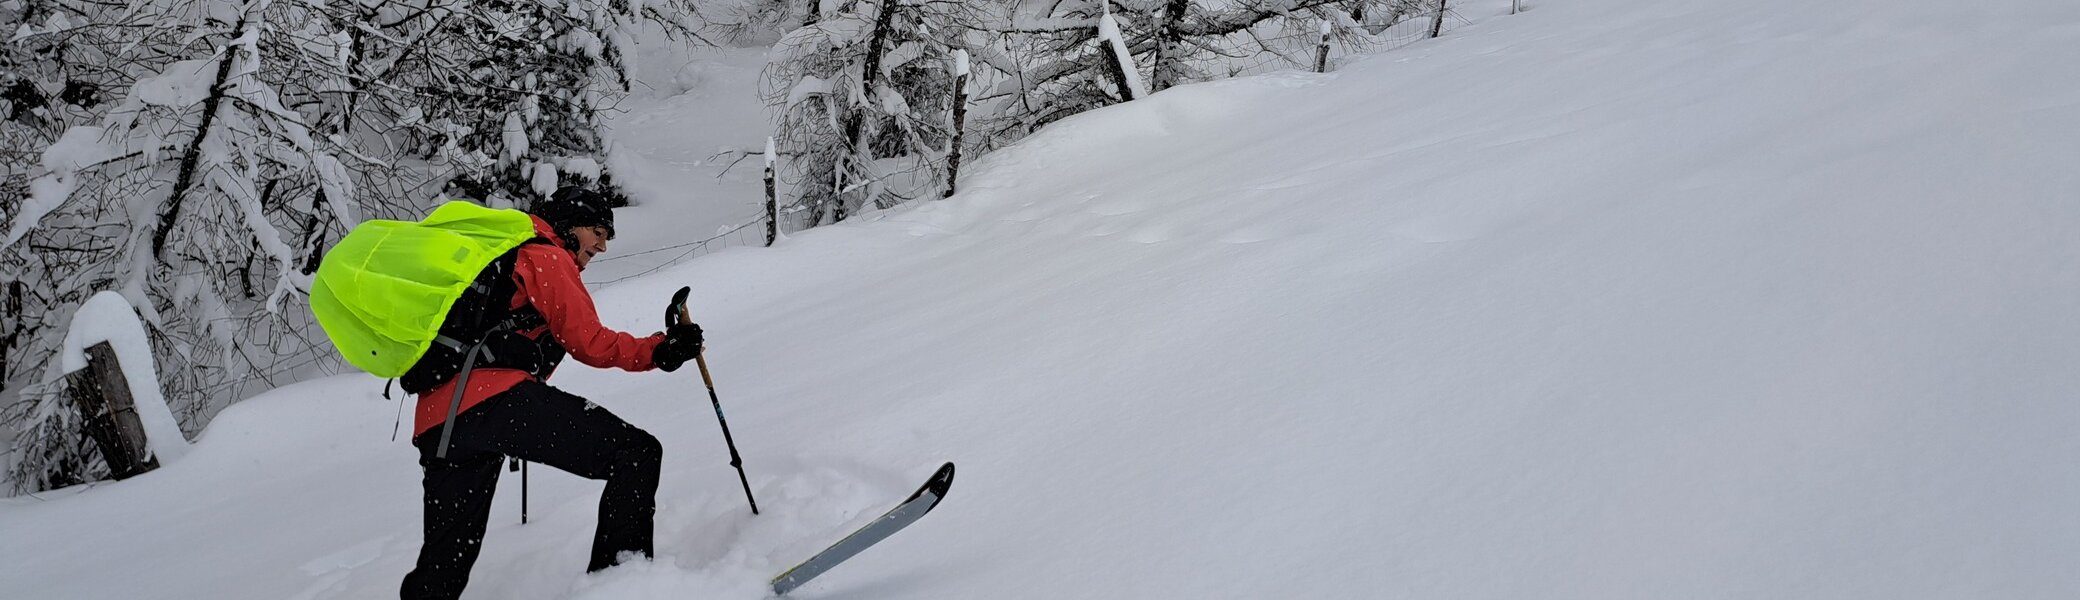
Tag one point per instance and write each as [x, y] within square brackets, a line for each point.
[572, 207]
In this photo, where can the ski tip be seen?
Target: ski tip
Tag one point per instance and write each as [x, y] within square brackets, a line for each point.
[679, 297]
[937, 485]
[873, 532]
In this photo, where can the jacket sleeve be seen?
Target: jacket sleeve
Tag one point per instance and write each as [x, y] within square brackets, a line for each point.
[549, 278]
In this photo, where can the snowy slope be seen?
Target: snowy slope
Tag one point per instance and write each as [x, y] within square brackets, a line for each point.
[1694, 299]
[690, 103]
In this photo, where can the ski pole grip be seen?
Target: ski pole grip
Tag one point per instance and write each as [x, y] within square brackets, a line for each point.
[675, 313]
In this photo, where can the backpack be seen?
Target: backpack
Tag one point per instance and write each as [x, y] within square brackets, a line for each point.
[385, 291]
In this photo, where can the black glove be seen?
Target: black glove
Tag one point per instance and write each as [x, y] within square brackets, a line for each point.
[681, 343]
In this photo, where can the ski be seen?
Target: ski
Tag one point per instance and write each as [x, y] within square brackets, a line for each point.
[887, 524]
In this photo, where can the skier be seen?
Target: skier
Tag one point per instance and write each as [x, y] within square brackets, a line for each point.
[508, 410]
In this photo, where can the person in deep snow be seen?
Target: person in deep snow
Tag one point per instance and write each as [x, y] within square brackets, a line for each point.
[512, 412]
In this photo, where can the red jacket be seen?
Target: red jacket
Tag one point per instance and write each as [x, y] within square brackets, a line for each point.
[548, 278]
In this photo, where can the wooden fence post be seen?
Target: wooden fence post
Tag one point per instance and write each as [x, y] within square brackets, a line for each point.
[1437, 22]
[104, 400]
[1118, 59]
[1321, 56]
[772, 198]
[960, 118]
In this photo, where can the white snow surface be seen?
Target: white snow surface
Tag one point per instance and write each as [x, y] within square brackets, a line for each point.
[108, 317]
[683, 146]
[1694, 299]
[180, 85]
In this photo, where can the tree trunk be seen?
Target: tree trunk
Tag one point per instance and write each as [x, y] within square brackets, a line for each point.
[186, 176]
[314, 238]
[1169, 64]
[855, 121]
[14, 307]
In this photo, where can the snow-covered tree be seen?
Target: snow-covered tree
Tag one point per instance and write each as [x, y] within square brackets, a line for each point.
[864, 101]
[867, 81]
[516, 88]
[1054, 59]
[759, 22]
[170, 197]
[197, 156]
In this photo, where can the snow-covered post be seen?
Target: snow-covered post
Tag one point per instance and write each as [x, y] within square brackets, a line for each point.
[113, 379]
[1321, 53]
[109, 413]
[1124, 75]
[960, 119]
[772, 197]
[1437, 20]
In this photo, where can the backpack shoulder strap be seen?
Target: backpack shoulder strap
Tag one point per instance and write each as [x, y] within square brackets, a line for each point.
[484, 309]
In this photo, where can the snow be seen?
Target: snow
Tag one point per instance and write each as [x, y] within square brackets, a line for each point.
[107, 317]
[241, 192]
[246, 60]
[78, 148]
[338, 183]
[585, 41]
[582, 167]
[543, 179]
[900, 55]
[515, 138]
[810, 86]
[181, 84]
[1766, 299]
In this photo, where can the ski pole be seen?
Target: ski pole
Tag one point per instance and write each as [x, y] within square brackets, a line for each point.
[521, 466]
[678, 310]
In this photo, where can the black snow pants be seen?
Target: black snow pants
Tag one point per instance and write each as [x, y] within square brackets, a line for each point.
[538, 423]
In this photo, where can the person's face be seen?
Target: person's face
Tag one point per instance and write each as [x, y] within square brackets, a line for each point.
[591, 241]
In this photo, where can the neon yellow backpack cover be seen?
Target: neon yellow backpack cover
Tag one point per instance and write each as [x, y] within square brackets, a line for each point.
[383, 291]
